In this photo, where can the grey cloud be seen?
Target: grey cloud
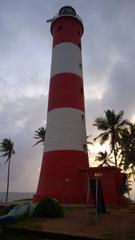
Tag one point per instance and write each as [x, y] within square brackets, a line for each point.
[27, 159]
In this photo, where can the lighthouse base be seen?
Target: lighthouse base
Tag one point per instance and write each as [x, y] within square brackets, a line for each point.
[77, 190]
[60, 177]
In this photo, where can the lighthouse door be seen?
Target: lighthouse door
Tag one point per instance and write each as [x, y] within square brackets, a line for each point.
[97, 195]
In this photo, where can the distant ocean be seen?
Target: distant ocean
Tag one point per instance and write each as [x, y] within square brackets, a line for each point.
[15, 196]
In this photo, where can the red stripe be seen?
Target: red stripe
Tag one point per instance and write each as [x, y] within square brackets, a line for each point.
[66, 90]
[67, 29]
[59, 176]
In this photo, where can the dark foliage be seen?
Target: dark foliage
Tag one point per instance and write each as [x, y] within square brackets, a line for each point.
[111, 125]
[50, 208]
[40, 135]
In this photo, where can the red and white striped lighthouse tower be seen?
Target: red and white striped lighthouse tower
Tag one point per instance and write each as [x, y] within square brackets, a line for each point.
[65, 150]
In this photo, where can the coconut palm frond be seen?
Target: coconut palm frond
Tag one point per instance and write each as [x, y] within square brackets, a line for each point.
[101, 123]
[104, 158]
[104, 138]
[40, 135]
[99, 136]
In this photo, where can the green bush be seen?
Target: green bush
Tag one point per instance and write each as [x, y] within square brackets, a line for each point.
[50, 208]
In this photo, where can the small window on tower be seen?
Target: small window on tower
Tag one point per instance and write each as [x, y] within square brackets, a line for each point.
[60, 28]
[80, 65]
[83, 117]
[85, 147]
[81, 89]
[79, 45]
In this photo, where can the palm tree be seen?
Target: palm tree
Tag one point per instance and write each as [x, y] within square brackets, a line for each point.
[40, 135]
[7, 150]
[104, 158]
[110, 125]
[127, 146]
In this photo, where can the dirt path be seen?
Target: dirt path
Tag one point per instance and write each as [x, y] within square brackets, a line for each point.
[115, 221]
[115, 224]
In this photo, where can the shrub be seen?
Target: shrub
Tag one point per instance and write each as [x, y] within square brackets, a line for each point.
[50, 208]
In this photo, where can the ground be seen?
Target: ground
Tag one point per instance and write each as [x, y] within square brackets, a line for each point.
[117, 223]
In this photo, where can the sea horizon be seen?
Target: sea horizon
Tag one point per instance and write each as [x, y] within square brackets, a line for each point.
[12, 196]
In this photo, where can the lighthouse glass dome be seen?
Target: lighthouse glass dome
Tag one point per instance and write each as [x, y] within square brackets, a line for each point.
[67, 10]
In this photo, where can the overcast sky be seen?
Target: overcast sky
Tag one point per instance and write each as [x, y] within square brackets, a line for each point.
[108, 48]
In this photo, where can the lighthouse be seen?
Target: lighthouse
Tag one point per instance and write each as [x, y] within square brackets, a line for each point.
[65, 148]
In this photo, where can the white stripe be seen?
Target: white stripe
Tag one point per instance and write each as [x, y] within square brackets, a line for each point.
[65, 130]
[66, 57]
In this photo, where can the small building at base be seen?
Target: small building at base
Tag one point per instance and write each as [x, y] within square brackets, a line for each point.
[83, 191]
[112, 182]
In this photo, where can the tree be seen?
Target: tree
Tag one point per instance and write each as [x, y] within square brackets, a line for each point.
[40, 135]
[7, 150]
[104, 158]
[110, 125]
[127, 149]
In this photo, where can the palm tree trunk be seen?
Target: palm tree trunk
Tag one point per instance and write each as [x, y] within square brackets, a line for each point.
[115, 154]
[8, 175]
[114, 150]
